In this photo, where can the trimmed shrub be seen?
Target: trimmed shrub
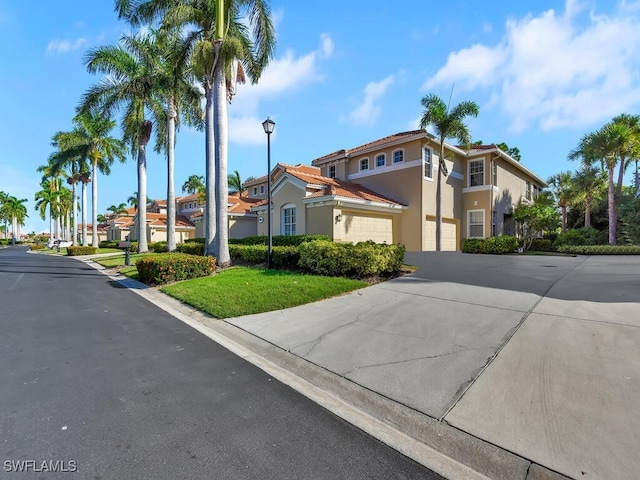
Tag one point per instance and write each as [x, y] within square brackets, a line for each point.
[108, 244]
[79, 250]
[158, 269]
[285, 257]
[158, 247]
[473, 245]
[600, 249]
[36, 246]
[501, 244]
[190, 248]
[580, 236]
[541, 245]
[345, 259]
[251, 254]
[278, 240]
[196, 240]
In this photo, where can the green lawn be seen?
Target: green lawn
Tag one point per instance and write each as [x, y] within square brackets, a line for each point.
[243, 290]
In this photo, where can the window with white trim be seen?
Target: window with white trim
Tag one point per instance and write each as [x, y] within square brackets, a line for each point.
[494, 223]
[288, 220]
[398, 156]
[364, 164]
[528, 190]
[476, 173]
[381, 160]
[261, 188]
[332, 171]
[428, 163]
[475, 224]
[255, 190]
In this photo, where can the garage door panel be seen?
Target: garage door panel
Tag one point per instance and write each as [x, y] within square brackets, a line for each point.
[360, 228]
[449, 236]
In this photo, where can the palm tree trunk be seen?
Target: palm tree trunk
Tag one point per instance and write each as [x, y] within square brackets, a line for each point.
[50, 222]
[94, 206]
[210, 198]
[587, 212]
[13, 229]
[171, 194]
[74, 227]
[612, 209]
[564, 218]
[67, 225]
[221, 161]
[84, 212]
[439, 199]
[142, 199]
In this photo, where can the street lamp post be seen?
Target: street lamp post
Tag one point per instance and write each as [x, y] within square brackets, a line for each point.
[268, 126]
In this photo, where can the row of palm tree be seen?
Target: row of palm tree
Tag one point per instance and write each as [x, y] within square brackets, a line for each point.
[12, 209]
[615, 145]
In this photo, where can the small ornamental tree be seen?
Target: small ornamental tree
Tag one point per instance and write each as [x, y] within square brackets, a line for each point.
[536, 218]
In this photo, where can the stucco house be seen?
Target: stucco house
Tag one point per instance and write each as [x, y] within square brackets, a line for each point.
[385, 191]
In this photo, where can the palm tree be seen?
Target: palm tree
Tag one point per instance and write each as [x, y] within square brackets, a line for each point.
[15, 210]
[45, 198]
[588, 184]
[235, 182]
[193, 185]
[561, 187]
[3, 215]
[119, 209]
[130, 86]
[91, 136]
[54, 179]
[631, 152]
[101, 218]
[133, 201]
[219, 52]
[447, 124]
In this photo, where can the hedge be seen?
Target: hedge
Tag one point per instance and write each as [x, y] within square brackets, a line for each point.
[278, 240]
[281, 257]
[191, 248]
[163, 268]
[541, 245]
[36, 246]
[345, 259]
[580, 236]
[158, 247]
[79, 250]
[195, 240]
[108, 244]
[493, 245]
[601, 249]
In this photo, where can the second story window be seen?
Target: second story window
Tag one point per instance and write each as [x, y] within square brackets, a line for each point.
[255, 190]
[428, 165]
[528, 190]
[398, 156]
[476, 173]
[364, 164]
[261, 188]
[381, 160]
[332, 171]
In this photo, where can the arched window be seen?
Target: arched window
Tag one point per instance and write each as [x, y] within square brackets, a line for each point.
[288, 222]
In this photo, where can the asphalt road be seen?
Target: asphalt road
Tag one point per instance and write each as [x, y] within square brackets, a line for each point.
[94, 377]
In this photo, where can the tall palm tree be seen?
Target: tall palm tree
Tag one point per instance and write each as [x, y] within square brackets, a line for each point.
[91, 136]
[130, 86]
[235, 182]
[3, 214]
[447, 124]
[561, 187]
[631, 151]
[220, 50]
[588, 185]
[54, 179]
[15, 209]
[193, 185]
[134, 199]
[47, 198]
[118, 209]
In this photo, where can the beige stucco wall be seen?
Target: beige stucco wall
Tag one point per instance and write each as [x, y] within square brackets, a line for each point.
[357, 226]
[320, 220]
[241, 227]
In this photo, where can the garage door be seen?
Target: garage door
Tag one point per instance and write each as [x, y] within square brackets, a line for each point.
[449, 237]
[360, 228]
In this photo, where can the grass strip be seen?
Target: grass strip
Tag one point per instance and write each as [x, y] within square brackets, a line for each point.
[241, 291]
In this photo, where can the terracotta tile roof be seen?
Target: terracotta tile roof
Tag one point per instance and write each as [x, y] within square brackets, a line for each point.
[239, 205]
[188, 198]
[376, 143]
[332, 186]
[256, 181]
[100, 227]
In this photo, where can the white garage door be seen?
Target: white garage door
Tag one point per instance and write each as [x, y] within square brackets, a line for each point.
[449, 242]
[360, 228]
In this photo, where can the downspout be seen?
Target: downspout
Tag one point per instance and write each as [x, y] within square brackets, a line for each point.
[491, 192]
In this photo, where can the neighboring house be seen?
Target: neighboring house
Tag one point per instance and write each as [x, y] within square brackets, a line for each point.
[242, 221]
[101, 231]
[385, 191]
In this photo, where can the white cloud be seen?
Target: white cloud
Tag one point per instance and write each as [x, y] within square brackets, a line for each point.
[369, 110]
[64, 46]
[284, 75]
[555, 70]
[487, 27]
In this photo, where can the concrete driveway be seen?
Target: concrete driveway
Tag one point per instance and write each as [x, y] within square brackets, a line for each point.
[537, 355]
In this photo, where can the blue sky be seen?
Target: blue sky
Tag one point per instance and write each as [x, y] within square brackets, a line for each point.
[543, 72]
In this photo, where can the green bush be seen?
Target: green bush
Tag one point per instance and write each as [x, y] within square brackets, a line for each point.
[326, 257]
[5, 241]
[600, 249]
[580, 236]
[501, 244]
[286, 258]
[159, 269]
[541, 245]
[36, 246]
[250, 254]
[158, 247]
[196, 240]
[108, 244]
[191, 248]
[278, 240]
[79, 250]
[473, 245]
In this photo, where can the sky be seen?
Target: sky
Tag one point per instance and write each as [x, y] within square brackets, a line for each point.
[543, 72]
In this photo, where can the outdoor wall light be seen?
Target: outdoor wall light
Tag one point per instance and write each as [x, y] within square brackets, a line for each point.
[338, 218]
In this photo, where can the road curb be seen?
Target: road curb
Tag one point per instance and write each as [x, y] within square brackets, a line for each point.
[440, 447]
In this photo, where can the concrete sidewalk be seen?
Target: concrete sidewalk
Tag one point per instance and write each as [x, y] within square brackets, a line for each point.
[514, 367]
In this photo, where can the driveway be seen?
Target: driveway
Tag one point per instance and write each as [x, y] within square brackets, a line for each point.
[538, 355]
